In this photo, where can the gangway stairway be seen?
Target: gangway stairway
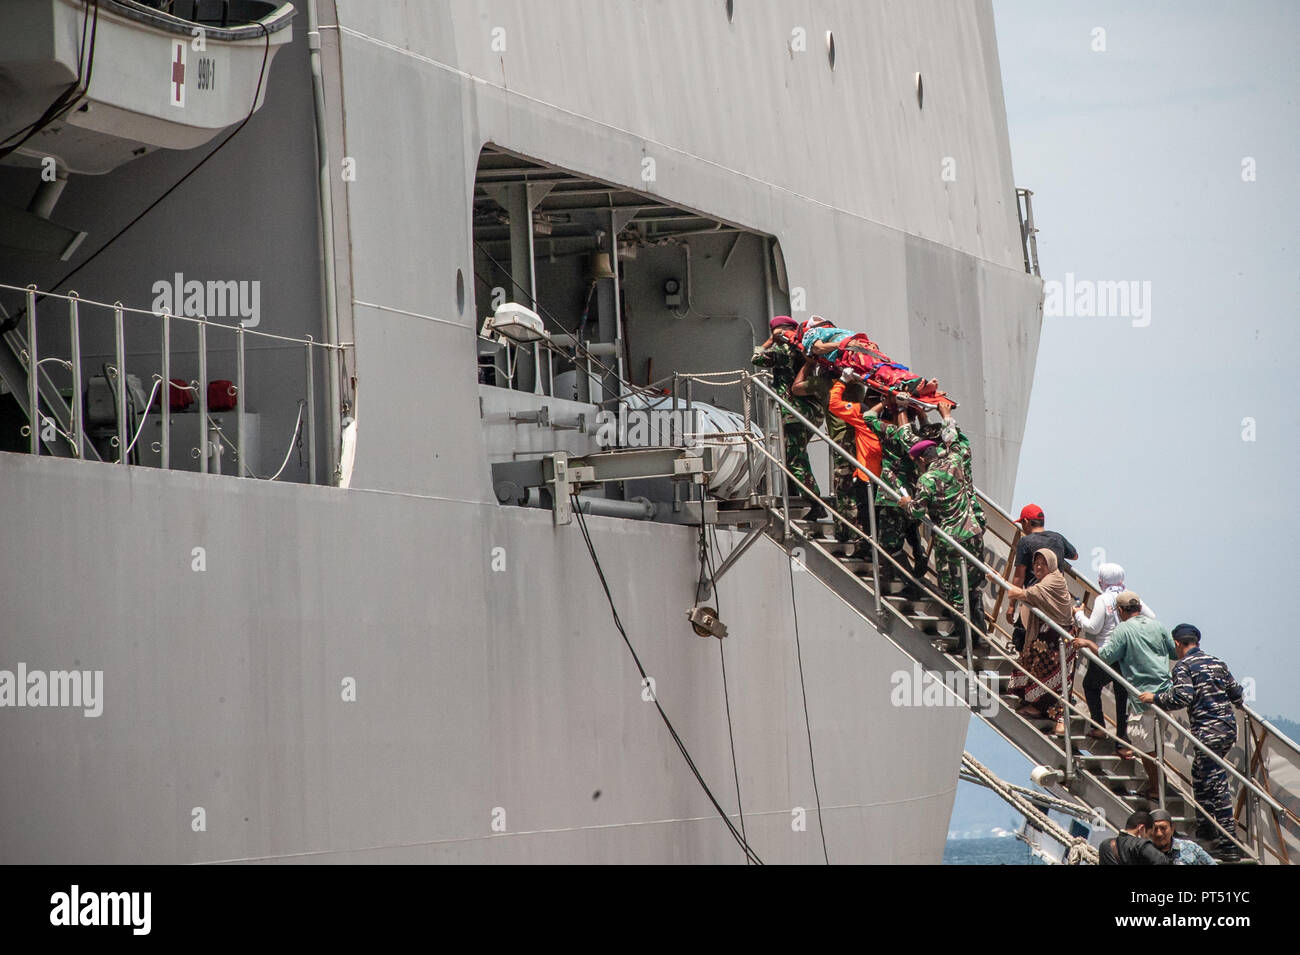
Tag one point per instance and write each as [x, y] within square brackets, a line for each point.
[916, 625]
[1089, 773]
[59, 440]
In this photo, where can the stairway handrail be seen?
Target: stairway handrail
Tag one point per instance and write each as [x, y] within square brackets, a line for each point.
[1001, 581]
[1273, 730]
[1000, 654]
[1092, 589]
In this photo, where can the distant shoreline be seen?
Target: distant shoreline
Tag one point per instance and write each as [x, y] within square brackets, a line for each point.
[991, 850]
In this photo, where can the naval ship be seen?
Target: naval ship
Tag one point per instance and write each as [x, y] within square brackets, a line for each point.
[331, 532]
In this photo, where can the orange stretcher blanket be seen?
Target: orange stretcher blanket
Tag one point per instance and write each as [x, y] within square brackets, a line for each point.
[865, 361]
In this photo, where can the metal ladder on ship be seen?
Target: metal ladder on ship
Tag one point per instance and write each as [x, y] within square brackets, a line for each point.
[1082, 770]
[51, 423]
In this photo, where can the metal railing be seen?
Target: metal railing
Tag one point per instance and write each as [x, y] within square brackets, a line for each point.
[46, 412]
[1256, 734]
[1065, 696]
[1028, 233]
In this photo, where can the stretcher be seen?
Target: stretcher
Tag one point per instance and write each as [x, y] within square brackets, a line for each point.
[860, 359]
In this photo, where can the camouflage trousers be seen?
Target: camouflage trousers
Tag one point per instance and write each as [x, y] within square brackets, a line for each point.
[842, 479]
[796, 456]
[1210, 781]
[891, 526]
[948, 564]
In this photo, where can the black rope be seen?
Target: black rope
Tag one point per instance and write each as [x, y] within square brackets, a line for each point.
[706, 560]
[750, 854]
[794, 607]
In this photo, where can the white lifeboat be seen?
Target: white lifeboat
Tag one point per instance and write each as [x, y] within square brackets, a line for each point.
[97, 83]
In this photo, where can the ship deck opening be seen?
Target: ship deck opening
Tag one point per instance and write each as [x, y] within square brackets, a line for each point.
[632, 289]
[684, 291]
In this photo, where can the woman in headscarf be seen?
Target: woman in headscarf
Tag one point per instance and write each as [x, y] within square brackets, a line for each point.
[1041, 656]
[1098, 624]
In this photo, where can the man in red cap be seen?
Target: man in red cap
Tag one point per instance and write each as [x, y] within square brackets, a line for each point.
[1033, 536]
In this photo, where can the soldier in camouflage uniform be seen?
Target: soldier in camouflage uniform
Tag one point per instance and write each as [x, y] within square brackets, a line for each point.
[952, 438]
[782, 354]
[1204, 685]
[816, 380]
[941, 492]
[898, 471]
[873, 443]
[957, 442]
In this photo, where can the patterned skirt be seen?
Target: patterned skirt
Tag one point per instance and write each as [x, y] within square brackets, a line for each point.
[1042, 659]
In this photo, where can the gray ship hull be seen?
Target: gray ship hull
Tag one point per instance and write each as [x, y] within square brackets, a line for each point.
[477, 691]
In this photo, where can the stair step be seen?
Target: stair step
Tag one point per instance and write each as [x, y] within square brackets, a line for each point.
[935, 626]
[1084, 740]
[909, 608]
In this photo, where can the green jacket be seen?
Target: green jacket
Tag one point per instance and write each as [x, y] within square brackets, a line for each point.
[1141, 648]
[942, 492]
[785, 361]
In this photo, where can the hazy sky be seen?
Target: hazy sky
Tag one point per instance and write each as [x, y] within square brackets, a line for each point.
[1134, 442]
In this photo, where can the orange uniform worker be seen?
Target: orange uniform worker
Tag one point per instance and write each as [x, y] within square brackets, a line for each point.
[867, 447]
[866, 428]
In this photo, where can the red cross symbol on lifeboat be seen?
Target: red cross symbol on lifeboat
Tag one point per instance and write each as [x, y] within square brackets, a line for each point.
[178, 75]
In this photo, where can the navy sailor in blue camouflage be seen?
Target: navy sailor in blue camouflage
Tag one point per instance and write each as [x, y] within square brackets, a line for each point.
[1205, 687]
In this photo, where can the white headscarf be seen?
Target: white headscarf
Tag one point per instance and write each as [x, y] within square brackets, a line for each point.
[1111, 577]
[1104, 618]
